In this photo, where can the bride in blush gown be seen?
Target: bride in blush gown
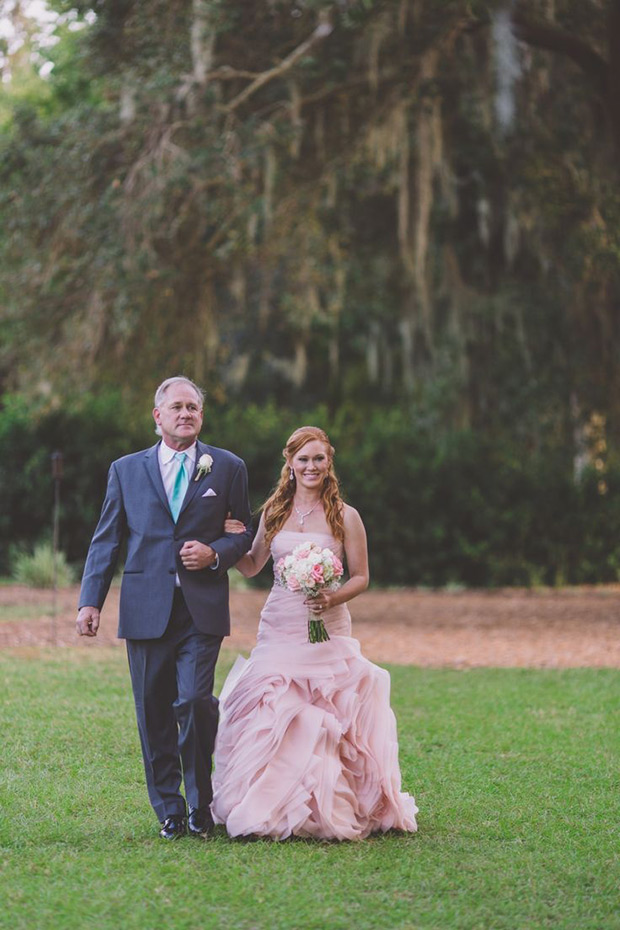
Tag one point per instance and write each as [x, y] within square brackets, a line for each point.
[307, 743]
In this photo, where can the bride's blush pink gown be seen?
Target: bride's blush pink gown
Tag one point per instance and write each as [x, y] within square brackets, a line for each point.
[307, 741]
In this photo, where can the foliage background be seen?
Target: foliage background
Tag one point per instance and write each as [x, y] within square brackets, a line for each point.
[398, 219]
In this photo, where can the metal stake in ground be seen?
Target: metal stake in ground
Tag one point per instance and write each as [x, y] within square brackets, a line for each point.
[57, 476]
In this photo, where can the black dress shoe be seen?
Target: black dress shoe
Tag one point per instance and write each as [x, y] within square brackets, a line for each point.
[173, 827]
[200, 822]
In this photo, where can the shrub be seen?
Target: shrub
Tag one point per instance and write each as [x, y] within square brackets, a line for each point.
[37, 569]
[441, 506]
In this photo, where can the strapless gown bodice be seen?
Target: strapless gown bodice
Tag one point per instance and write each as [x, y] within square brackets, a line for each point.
[284, 617]
[307, 742]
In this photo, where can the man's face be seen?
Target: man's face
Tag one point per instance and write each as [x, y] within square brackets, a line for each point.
[179, 416]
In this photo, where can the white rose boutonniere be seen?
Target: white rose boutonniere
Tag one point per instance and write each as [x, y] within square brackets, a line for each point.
[205, 464]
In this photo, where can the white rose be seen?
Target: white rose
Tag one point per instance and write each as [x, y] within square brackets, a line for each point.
[205, 464]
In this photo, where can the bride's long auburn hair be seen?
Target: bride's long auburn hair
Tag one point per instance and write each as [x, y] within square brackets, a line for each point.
[278, 506]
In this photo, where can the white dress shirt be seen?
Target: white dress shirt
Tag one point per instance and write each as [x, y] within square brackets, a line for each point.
[168, 469]
[168, 465]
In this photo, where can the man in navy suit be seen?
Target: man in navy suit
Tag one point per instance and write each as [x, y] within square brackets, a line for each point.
[168, 504]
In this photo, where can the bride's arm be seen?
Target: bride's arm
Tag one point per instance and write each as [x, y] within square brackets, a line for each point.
[251, 563]
[356, 549]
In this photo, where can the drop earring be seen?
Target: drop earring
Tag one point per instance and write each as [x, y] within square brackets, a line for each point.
[291, 474]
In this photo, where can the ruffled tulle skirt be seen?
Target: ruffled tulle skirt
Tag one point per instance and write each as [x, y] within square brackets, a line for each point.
[307, 745]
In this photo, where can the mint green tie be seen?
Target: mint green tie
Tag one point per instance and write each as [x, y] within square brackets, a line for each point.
[179, 487]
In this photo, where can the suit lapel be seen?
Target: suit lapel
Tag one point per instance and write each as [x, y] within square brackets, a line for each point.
[151, 463]
[194, 485]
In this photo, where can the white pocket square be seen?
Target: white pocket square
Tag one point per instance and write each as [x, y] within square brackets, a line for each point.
[209, 493]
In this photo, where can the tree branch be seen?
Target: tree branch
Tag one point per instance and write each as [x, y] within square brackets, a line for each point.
[322, 31]
[228, 73]
[542, 35]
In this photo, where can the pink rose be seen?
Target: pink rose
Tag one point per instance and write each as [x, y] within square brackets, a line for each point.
[303, 553]
[338, 566]
[293, 584]
[317, 574]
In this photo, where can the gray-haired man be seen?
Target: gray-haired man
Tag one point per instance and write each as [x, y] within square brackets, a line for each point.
[169, 503]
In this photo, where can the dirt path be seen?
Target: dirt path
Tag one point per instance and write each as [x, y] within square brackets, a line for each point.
[549, 629]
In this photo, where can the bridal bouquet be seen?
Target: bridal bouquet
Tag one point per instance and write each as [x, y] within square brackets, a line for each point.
[309, 570]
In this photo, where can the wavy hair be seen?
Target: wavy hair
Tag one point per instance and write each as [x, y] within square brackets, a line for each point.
[278, 506]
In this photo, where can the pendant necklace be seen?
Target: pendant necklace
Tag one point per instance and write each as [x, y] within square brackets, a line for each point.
[302, 516]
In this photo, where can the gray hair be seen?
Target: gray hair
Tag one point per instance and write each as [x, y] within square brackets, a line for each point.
[178, 379]
[160, 393]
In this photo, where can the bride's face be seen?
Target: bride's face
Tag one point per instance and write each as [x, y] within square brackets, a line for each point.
[311, 465]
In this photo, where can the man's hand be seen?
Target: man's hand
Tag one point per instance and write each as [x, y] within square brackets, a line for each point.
[196, 555]
[87, 622]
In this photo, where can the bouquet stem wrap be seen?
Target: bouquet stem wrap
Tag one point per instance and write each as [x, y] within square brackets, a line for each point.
[316, 629]
[310, 570]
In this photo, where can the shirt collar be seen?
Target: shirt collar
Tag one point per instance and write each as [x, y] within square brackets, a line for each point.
[166, 454]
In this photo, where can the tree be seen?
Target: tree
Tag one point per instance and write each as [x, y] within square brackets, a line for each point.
[323, 201]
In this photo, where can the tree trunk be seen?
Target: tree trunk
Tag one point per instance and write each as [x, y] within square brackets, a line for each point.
[202, 41]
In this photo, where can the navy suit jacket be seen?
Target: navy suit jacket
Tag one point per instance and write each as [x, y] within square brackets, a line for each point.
[136, 509]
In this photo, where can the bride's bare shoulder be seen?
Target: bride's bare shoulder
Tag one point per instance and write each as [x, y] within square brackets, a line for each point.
[351, 517]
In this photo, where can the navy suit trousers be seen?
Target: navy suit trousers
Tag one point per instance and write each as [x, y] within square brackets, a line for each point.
[172, 679]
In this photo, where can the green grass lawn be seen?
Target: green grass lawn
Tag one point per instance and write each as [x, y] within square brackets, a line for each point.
[515, 773]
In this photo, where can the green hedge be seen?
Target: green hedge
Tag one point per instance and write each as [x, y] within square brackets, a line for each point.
[440, 508]
[89, 440]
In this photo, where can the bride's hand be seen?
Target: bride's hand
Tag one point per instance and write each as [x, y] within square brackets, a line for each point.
[320, 603]
[233, 526]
